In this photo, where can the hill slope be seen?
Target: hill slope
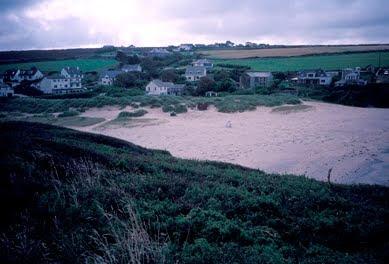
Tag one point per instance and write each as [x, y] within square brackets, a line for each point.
[69, 196]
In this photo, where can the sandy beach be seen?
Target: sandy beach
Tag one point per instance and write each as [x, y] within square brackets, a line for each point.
[353, 141]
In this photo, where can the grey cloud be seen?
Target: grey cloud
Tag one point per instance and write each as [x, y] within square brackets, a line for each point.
[7, 5]
[276, 21]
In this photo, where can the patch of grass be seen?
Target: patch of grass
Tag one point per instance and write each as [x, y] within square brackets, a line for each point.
[326, 62]
[78, 121]
[241, 103]
[57, 65]
[69, 113]
[287, 109]
[84, 198]
[137, 113]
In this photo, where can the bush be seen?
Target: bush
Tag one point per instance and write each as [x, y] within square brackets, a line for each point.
[137, 113]
[202, 106]
[68, 113]
[109, 201]
[180, 109]
[167, 108]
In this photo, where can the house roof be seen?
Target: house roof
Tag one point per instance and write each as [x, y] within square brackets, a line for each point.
[159, 50]
[55, 77]
[203, 61]
[167, 84]
[317, 72]
[259, 74]
[132, 67]
[111, 74]
[192, 70]
[29, 72]
[10, 72]
[383, 72]
[73, 70]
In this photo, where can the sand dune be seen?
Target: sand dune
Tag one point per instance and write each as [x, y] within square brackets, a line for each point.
[307, 141]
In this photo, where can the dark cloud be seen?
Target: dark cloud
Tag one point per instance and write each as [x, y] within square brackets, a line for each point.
[7, 5]
[276, 21]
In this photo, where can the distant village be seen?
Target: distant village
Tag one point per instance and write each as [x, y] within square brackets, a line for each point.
[71, 80]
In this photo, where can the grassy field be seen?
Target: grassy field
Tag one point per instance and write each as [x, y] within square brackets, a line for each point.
[56, 65]
[288, 52]
[327, 62]
[86, 198]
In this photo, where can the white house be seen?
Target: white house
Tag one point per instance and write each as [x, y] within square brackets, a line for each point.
[159, 52]
[58, 84]
[6, 90]
[351, 77]
[203, 63]
[185, 47]
[75, 76]
[158, 87]
[132, 68]
[255, 79]
[11, 76]
[109, 77]
[315, 77]
[194, 73]
[32, 74]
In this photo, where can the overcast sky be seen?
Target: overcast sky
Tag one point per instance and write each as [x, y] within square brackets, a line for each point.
[43, 24]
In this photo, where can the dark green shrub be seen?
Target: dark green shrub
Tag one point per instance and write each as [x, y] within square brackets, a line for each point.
[137, 113]
[180, 109]
[167, 108]
[69, 113]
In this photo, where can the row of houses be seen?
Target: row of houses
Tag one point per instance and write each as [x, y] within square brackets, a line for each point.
[14, 77]
[69, 80]
[193, 73]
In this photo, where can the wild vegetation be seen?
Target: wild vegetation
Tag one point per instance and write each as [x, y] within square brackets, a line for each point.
[228, 103]
[326, 62]
[84, 198]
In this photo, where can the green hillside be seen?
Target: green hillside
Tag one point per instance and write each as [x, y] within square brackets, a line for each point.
[327, 62]
[73, 197]
[56, 65]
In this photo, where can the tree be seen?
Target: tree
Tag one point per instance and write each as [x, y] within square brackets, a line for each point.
[226, 85]
[151, 66]
[169, 76]
[133, 59]
[127, 79]
[205, 84]
[121, 57]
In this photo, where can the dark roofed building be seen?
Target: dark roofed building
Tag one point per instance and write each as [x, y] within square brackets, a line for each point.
[314, 77]
[194, 73]
[132, 68]
[158, 87]
[255, 79]
[109, 77]
[30, 75]
[382, 75]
